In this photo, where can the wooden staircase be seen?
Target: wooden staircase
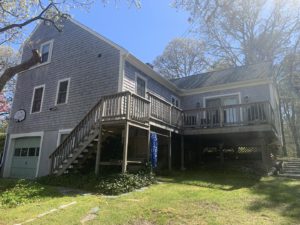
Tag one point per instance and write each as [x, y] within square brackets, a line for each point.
[81, 142]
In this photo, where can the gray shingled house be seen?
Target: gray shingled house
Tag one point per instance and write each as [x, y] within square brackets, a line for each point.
[91, 103]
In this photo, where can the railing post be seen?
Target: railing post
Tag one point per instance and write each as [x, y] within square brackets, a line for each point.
[221, 112]
[170, 120]
[128, 105]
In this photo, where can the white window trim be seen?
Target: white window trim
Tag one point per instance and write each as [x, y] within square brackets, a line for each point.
[57, 89]
[220, 96]
[224, 95]
[33, 95]
[137, 75]
[50, 51]
[174, 97]
[60, 132]
[49, 56]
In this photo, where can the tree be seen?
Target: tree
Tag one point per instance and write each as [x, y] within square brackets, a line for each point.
[245, 32]
[289, 90]
[17, 14]
[182, 57]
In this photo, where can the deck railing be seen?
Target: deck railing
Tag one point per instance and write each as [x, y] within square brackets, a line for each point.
[231, 115]
[123, 105]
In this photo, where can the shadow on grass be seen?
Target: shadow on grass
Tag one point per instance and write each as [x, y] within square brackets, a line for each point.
[281, 194]
[221, 178]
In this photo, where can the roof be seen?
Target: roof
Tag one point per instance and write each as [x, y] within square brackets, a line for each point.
[260, 71]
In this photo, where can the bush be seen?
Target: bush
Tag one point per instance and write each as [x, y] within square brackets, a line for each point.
[124, 183]
[24, 192]
[110, 185]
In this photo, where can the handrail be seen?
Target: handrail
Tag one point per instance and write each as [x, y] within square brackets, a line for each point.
[85, 126]
[239, 114]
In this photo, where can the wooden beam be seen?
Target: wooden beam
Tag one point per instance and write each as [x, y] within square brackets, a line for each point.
[170, 151]
[148, 145]
[182, 152]
[125, 148]
[98, 156]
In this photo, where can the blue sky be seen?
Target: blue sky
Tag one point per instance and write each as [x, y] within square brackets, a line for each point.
[144, 32]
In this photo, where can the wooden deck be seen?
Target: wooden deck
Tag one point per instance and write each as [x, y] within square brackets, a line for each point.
[129, 109]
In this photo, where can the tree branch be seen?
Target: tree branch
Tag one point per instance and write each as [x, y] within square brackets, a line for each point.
[12, 71]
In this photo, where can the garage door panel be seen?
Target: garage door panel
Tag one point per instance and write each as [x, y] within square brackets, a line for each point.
[25, 157]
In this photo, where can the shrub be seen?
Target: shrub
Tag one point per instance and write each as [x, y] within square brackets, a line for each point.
[110, 185]
[24, 192]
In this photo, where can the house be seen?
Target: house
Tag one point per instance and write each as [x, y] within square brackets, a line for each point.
[91, 103]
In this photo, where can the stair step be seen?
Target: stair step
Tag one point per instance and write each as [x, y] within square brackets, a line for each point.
[55, 171]
[71, 156]
[90, 145]
[289, 175]
[70, 167]
[75, 161]
[80, 156]
[66, 172]
[60, 167]
[65, 161]
[85, 150]
[96, 140]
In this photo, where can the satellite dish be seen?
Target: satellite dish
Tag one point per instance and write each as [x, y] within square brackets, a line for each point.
[20, 115]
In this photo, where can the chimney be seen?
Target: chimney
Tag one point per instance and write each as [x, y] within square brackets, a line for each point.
[150, 65]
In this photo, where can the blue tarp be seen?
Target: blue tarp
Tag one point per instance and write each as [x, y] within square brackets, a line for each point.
[153, 149]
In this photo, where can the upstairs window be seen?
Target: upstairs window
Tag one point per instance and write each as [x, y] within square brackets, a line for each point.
[141, 86]
[37, 99]
[175, 101]
[62, 91]
[46, 51]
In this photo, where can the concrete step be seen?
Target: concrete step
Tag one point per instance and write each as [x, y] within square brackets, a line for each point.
[291, 171]
[297, 176]
[291, 164]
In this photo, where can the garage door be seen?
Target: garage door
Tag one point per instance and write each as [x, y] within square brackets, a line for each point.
[25, 158]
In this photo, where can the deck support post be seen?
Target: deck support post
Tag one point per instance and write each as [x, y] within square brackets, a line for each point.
[221, 153]
[148, 145]
[264, 154]
[125, 148]
[182, 152]
[170, 151]
[98, 156]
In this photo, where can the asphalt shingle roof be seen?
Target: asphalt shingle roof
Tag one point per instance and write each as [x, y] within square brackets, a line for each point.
[237, 74]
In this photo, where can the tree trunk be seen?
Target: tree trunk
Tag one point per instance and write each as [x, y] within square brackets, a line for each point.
[12, 71]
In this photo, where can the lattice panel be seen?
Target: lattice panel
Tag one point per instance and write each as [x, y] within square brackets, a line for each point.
[247, 150]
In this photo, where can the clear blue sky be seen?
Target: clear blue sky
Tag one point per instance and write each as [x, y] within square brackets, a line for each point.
[144, 32]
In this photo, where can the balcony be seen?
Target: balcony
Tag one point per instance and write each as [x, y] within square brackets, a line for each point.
[156, 111]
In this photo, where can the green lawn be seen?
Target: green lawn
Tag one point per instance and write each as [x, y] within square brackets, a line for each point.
[202, 197]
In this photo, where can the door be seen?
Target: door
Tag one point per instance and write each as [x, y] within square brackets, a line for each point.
[231, 114]
[25, 157]
[213, 114]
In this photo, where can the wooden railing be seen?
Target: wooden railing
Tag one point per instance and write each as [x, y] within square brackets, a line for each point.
[164, 112]
[129, 106]
[123, 105]
[139, 109]
[231, 115]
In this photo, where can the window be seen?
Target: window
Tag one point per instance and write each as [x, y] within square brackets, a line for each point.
[17, 152]
[46, 52]
[175, 101]
[37, 99]
[62, 135]
[62, 91]
[141, 86]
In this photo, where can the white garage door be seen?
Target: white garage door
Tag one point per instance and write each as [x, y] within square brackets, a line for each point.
[25, 157]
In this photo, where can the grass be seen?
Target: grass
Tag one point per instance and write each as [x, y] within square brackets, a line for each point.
[190, 197]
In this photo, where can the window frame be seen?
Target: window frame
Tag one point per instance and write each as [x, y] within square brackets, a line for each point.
[139, 76]
[60, 133]
[42, 100]
[50, 42]
[176, 99]
[57, 90]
